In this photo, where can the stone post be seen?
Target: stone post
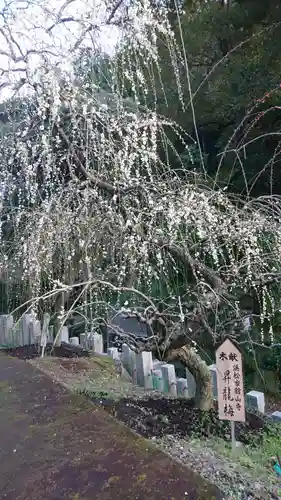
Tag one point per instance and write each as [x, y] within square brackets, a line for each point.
[74, 341]
[255, 401]
[213, 370]
[157, 380]
[97, 343]
[144, 368]
[169, 376]
[182, 388]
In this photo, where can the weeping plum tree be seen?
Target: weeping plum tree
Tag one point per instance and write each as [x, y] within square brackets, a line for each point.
[94, 217]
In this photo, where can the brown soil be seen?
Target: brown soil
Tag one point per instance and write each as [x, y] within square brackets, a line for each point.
[159, 417]
[33, 351]
[150, 415]
[57, 446]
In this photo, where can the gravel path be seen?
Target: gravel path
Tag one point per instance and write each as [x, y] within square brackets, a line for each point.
[234, 480]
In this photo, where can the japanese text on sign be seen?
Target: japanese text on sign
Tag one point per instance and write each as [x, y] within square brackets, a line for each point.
[230, 382]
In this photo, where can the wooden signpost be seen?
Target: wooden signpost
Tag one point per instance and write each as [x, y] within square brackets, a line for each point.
[231, 400]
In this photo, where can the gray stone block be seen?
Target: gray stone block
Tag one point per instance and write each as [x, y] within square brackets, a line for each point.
[24, 328]
[113, 353]
[157, 380]
[169, 378]
[144, 369]
[97, 343]
[276, 416]
[182, 388]
[17, 335]
[255, 401]
[213, 370]
[6, 329]
[64, 334]
[191, 384]
[74, 341]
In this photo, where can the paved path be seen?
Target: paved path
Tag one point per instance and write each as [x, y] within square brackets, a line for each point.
[56, 446]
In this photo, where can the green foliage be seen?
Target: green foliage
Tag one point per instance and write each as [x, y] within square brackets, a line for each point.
[238, 98]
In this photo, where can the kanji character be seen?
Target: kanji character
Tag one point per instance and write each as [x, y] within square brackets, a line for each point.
[230, 411]
[229, 394]
[227, 376]
[223, 356]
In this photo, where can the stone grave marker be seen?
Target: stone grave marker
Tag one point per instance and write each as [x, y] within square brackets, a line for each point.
[144, 368]
[169, 378]
[97, 343]
[157, 380]
[255, 401]
[213, 370]
[64, 334]
[182, 388]
[74, 341]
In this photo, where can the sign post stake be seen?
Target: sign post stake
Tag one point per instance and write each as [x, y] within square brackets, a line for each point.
[231, 401]
[233, 441]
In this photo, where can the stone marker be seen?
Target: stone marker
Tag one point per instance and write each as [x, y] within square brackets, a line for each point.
[31, 328]
[3, 339]
[213, 370]
[144, 369]
[50, 335]
[182, 388]
[157, 380]
[45, 329]
[6, 323]
[169, 378]
[113, 353]
[24, 328]
[126, 357]
[97, 343]
[17, 336]
[43, 341]
[83, 339]
[64, 334]
[276, 416]
[74, 341]
[129, 361]
[37, 330]
[255, 401]
[7, 328]
[191, 384]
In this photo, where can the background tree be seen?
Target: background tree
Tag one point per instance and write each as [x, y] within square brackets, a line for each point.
[103, 206]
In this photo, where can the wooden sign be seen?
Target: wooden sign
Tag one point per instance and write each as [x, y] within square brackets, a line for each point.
[230, 382]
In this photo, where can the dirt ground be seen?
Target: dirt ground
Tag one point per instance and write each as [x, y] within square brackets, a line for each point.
[55, 446]
[148, 413]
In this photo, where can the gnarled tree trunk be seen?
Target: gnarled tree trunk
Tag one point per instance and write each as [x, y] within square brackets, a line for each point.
[199, 369]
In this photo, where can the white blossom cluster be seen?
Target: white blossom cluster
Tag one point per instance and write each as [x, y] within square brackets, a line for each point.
[87, 197]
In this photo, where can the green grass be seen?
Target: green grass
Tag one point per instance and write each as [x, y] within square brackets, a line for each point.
[254, 458]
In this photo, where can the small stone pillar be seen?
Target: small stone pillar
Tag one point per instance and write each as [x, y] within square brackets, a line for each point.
[64, 334]
[157, 380]
[144, 369]
[213, 370]
[74, 341]
[97, 343]
[169, 377]
[255, 401]
[113, 353]
[182, 388]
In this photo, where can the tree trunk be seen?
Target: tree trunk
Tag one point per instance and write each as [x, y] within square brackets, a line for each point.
[200, 371]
